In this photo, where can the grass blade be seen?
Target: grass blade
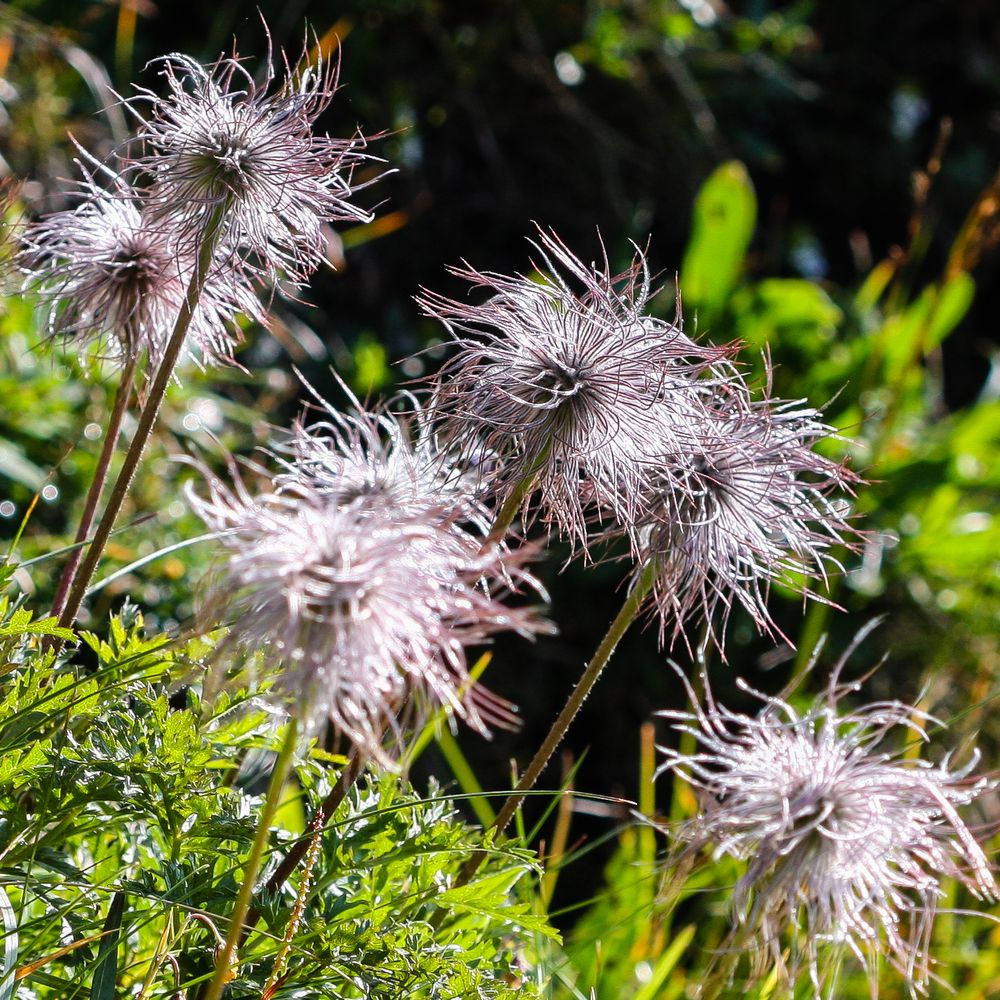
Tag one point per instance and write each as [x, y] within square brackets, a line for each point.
[106, 972]
[8, 980]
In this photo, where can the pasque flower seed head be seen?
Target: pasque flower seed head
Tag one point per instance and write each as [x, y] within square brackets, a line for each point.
[363, 611]
[564, 379]
[219, 142]
[107, 271]
[846, 841]
[746, 502]
[390, 455]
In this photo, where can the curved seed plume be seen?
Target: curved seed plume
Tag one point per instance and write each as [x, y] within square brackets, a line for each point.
[846, 841]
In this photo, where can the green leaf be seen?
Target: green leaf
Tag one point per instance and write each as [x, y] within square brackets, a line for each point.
[10, 947]
[106, 970]
[974, 445]
[787, 313]
[906, 337]
[874, 286]
[20, 623]
[371, 369]
[665, 964]
[953, 301]
[16, 466]
[725, 212]
[900, 336]
[489, 897]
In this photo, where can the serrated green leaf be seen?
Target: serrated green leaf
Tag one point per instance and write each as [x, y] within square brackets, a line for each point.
[20, 623]
[489, 896]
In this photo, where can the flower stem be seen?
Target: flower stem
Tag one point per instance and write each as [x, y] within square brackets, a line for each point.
[147, 418]
[626, 616]
[515, 499]
[227, 956]
[350, 774]
[122, 396]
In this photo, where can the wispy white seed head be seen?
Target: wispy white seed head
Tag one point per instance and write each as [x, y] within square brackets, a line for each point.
[219, 142]
[846, 840]
[364, 613]
[744, 503]
[389, 457]
[567, 377]
[107, 272]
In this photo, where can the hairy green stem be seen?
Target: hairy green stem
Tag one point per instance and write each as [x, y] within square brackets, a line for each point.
[515, 499]
[626, 616]
[147, 418]
[355, 766]
[227, 955]
[122, 396]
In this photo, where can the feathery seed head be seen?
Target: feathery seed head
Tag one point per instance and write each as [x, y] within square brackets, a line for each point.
[566, 378]
[743, 503]
[106, 269]
[846, 842]
[220, 141]
[384, 458]
[363, 611]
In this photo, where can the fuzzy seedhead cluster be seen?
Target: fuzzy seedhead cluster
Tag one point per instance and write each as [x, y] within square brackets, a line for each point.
[565, 390]
[365, 607]
[613, 422]
[388, 458]
[219, 142]
[846, 841]
[108, 269]
[224, 176]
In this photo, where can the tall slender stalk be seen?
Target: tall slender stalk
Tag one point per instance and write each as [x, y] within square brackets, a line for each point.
[227, 955]
[355, 767]
[627, 614]
[112, 432]
[147, 419]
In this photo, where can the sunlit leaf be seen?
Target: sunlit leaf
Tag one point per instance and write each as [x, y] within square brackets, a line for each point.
[725, 213]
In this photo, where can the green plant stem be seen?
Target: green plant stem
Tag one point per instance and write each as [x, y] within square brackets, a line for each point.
[147, 419]
[626, 616]
[122, 396]
[350, 774]
[227, 956]
[515, 499]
